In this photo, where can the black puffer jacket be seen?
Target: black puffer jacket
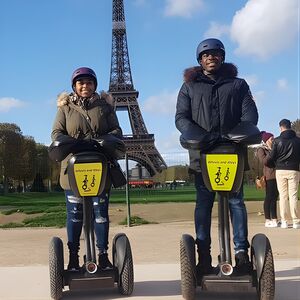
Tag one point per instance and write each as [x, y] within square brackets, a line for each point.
[216, 107]
[285, 153]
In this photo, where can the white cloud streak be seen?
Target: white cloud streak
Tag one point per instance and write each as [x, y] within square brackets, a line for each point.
[182, 8]
[265, 28]
[7, 104]
[282, 84]
[216, 30]
[163, 103]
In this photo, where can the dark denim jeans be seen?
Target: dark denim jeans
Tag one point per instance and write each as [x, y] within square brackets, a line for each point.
[203, 209]
[75, 217]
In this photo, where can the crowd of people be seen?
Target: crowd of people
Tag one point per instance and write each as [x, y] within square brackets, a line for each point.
[280, 157]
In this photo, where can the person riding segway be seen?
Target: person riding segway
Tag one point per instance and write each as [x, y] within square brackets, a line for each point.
[222, 168]
[86, 133]
[211, 103]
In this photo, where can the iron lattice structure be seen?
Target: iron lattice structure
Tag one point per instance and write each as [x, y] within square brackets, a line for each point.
[140, 145]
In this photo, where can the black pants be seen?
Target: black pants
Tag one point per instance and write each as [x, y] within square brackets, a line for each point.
[270, 205]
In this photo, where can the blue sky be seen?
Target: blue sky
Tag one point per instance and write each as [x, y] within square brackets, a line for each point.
[42, 42]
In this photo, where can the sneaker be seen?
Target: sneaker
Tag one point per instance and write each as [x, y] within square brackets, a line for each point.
[284, 224]
[242, 263]
[296, 225]
[268, 223]
[104, 262]
[73, 262]
[271, 223]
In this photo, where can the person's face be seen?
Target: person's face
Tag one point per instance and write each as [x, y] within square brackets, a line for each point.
[269, 142]
[85, 87]
[211, 60]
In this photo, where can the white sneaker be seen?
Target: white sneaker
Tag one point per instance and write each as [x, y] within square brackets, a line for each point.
[296, 225]
[268, 223]
[275, 223]
[284, 224]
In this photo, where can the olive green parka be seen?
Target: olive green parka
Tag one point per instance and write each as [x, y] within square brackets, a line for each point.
[97, 118]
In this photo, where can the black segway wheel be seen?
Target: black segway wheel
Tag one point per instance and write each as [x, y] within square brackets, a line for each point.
[56, 267]
[187, 266]
[266, 288]
[124, 263]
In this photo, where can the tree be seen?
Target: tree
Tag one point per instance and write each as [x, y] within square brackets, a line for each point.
[296, 126]
[28, 157]
[10, 149]
[42, 168]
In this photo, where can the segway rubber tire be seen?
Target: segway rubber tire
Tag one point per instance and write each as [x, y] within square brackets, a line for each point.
[188, 282]
[267, 280]
[126, 274]
[56, 268]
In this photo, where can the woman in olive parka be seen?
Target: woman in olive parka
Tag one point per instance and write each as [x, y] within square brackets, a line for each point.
[85, 115]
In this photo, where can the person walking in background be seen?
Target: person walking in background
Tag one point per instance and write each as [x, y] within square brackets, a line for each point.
[213, 101]
[270, 204]
[85, 115]
[285, 156]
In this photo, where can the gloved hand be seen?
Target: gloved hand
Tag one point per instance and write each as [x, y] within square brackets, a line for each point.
[209, 140]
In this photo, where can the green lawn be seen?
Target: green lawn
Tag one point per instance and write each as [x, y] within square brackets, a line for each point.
[51, 206]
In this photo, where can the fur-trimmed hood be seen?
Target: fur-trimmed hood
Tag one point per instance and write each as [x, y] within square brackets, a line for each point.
[227, 70]
[64, 98]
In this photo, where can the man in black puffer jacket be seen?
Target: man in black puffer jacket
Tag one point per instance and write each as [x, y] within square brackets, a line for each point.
[213, 101]
[285, 155]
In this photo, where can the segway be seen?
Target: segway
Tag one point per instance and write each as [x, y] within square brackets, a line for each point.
[87, 173]
[222, 169]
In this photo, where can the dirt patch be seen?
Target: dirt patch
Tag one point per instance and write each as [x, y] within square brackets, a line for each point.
[152, 212]
[13, 218]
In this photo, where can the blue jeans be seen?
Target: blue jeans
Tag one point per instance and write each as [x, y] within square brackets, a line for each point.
[75, 219]
[203, 209]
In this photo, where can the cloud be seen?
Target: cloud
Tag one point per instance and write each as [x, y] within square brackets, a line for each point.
[6, 104]
[163, 103]
[182, 8]
[282, 84]
[251, 79]
[216, 30]
[265, 28]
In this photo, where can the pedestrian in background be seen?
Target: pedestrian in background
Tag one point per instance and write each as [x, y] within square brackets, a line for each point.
[285, 156]
[271, 191]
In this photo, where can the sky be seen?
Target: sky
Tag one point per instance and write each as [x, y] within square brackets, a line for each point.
[43, 42]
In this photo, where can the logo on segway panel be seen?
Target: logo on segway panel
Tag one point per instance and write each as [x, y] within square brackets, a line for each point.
[88, 178]
[221, 170]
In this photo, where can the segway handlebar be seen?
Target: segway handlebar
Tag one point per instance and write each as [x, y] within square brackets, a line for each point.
[113, 147]
[245, 133]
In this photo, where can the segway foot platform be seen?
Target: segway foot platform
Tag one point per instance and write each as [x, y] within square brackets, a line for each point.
[82, 280]
[216, 283]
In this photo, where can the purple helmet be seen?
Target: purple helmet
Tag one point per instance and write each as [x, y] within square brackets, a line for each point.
[83, 72]
[209, 44]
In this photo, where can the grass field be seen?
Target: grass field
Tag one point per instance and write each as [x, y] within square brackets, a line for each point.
[51, 206]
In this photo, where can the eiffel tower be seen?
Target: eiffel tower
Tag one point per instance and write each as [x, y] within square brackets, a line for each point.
[140, 145]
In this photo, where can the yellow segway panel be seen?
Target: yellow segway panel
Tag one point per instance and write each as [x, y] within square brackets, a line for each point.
[88, 178]
[223, 167]
[87, 173]
[221, 170]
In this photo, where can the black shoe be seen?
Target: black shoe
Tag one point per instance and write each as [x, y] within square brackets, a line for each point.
[73, 262]
[104, 262]
[202, 270]
[242, 263]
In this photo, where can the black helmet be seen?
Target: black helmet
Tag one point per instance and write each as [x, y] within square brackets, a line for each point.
[209, 44]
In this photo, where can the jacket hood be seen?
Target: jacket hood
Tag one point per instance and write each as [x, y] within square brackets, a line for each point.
[227, 70]
[288, 134]
[64, 98]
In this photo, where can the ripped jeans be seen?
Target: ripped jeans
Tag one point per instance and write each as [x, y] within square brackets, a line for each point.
[75, 219]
